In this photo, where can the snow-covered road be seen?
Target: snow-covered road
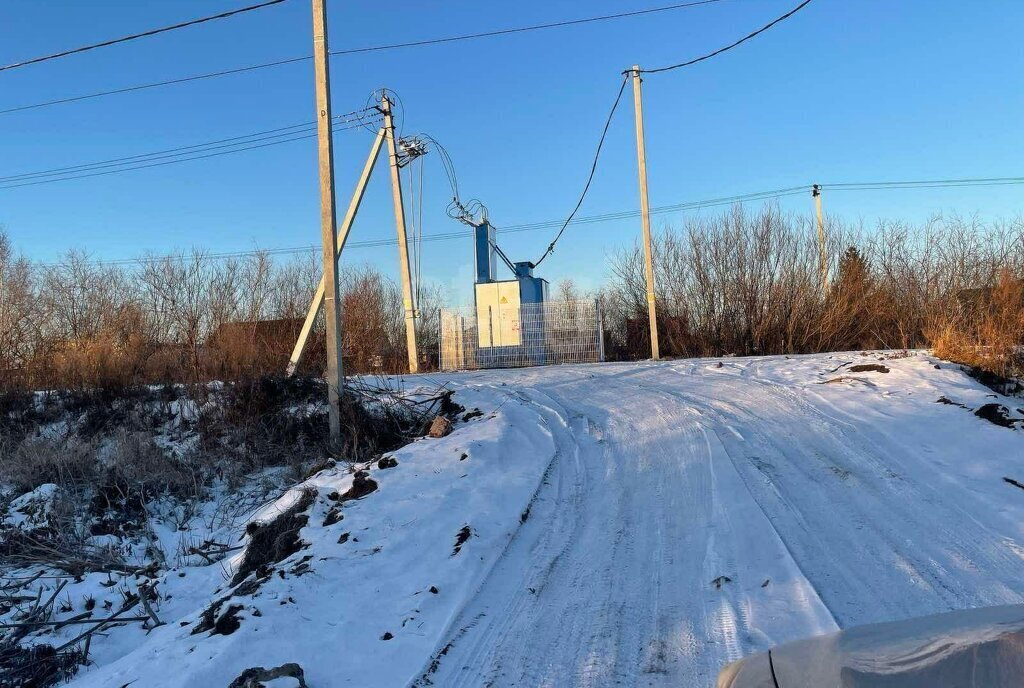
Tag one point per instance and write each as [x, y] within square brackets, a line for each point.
[622, 525]
[699, 511]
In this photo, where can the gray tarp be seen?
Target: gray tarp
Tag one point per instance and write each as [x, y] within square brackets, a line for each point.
[976, 648]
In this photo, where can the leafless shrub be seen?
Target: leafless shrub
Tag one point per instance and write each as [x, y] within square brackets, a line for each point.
[745, 283]
[41, 460]
[189, 318]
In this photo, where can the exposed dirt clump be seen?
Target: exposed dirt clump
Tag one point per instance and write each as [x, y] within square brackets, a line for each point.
[387, 462]
[450, 408]
[949, 402]
[997, 414]
[362, 485]
[254, 677]
[869, 368]
[219, 623]
[1006, 386]
[275, 540]
[333, 516]
[460, 539]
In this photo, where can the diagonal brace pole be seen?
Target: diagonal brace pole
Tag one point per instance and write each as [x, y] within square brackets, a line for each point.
[343, 230]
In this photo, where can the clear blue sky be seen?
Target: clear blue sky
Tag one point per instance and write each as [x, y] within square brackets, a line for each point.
[847, 90]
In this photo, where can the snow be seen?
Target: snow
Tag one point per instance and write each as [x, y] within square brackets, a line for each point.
[631, 524]
[400, 546]
[32, 509]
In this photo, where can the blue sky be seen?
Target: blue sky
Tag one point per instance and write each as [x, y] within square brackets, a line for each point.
[846, 90]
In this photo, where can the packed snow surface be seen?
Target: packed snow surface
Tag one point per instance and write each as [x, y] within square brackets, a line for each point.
[628, 525]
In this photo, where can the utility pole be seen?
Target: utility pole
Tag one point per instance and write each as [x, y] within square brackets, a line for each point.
[403, 244]
[822, 249]
[645, 210]
[332, 307]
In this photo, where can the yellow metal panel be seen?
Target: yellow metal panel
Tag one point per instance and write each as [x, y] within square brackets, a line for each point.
[497, 314]
[508, 333]
[486, 301]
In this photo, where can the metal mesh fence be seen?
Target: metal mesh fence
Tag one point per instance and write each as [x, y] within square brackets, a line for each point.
[523, 335]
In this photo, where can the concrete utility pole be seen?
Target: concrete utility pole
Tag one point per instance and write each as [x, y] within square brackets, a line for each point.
[822, 248]
[403, 244]
[645, 211]
[332, 307]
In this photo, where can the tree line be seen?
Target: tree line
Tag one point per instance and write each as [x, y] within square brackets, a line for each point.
[742, 282]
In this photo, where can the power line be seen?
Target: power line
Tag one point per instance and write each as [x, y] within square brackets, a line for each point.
[924, 184]
[590, 178]
[521, 29]
[354, 51]
[188, 157]
[622, 87]
[591, 219]
[746, 38]
[144, 34]
[170, 152]
[143, 87]
[447, 236]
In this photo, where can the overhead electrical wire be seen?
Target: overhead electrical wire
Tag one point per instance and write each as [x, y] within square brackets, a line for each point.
[509, 229]
[590, 177]
[144, 34]
[605, 217]
[170, 156]
[464, 212]
[625, 76]
[746, 38]
[143, 87]
[924, 184]
[355, 51]
[521, 29]
[268, 133]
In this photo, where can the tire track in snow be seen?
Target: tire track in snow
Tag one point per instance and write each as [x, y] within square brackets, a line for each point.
[629, 600]
[876, 515]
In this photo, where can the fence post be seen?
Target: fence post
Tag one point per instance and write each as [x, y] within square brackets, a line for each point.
[600, 331]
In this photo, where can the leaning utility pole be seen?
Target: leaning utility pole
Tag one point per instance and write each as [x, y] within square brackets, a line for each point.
[332, 306]
[403, 244]
[645, 210]
[822, 248]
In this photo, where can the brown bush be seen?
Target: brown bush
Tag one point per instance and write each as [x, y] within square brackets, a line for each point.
[187, 318]
[985, 328]
[743, 283]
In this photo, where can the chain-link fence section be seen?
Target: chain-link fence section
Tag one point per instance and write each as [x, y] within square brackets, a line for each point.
[521, 335]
